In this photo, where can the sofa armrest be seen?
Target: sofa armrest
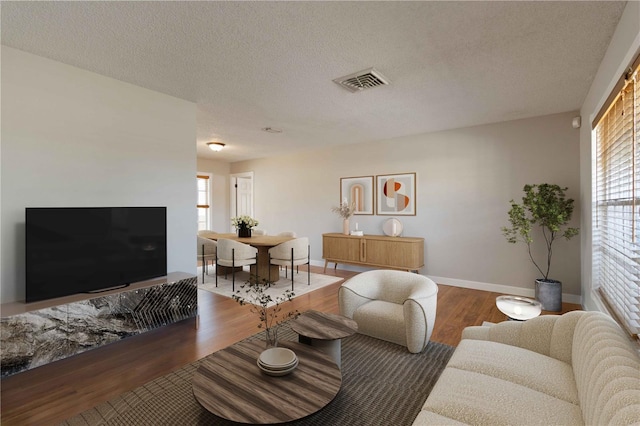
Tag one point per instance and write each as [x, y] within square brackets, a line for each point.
[550, 335]
[476, 332]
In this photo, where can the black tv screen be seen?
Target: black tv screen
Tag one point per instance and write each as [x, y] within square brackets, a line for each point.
[87, 249]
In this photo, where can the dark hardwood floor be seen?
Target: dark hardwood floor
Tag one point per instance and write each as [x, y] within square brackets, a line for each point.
[54, 392]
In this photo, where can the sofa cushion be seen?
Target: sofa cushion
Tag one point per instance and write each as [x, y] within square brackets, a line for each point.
[517, 365]
[475, 398]
[383, 320]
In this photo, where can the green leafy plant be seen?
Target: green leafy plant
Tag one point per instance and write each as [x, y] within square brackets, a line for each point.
[544, 206]
[253, 292]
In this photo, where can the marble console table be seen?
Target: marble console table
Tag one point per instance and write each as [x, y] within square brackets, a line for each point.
[34, 334]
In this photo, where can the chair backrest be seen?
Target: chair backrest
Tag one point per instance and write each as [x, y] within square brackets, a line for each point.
[287, 234]
[229, 248]
[210, 247]
[258, 231]
[206, 233]
[283, 250]
[391, 285]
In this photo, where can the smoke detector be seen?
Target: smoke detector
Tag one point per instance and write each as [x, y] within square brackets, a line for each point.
[361, 80]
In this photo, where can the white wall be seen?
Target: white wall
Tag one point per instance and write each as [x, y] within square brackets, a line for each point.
[74, 138]
[624, 47]
[219, 170]
[465, 179]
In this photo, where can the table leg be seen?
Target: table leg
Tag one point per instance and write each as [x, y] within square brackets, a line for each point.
[333, 348]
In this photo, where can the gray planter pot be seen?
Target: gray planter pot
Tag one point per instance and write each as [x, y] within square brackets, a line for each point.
[549, 294]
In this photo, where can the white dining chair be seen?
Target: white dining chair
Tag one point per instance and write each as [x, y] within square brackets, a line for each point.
[258, 231]
[292, 253]
[287, 234]
[206, 233]
[206, 250]
[234, 254]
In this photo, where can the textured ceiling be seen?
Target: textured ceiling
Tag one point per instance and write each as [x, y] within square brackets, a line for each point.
[250, 65]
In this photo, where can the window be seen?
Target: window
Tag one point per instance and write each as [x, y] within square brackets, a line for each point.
[616, 215]
[204, 197]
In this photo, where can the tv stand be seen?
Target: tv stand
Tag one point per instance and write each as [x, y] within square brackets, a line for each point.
[38, 333]
[102, 290]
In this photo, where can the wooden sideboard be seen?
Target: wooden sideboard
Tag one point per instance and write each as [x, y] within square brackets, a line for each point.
[378, 251]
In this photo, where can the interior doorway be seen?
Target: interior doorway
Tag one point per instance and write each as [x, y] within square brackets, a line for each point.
[241, 199]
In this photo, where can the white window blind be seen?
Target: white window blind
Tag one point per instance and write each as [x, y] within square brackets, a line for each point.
[616, 215]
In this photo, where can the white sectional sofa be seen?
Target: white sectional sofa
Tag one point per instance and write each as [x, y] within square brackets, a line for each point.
[577, 368]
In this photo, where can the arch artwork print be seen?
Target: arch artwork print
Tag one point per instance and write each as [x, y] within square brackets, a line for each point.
[396, 194]
[358, 191]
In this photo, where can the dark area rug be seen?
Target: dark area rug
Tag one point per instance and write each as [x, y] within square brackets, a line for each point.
[382, 384]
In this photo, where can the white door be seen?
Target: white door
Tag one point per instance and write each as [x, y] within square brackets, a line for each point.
[241, 195]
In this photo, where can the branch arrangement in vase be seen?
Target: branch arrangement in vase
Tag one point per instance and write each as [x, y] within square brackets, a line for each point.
[345, 210]
[253, 292]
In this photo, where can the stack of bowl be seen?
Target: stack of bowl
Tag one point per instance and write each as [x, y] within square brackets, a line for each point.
[277, 361]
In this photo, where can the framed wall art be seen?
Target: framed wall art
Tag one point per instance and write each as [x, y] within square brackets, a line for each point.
[358, 190]
[396, 194]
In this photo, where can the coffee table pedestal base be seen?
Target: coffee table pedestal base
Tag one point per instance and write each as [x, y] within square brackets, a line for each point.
[333, 348]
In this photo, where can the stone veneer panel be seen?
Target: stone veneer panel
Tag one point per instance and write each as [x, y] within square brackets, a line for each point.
[36, 338]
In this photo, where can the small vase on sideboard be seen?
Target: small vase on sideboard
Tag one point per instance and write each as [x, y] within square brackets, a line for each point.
[345, 226]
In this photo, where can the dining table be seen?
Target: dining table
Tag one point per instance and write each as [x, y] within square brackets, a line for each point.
[263, 268]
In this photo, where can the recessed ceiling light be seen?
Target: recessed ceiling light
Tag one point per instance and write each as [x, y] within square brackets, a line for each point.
[215, 146]
[271, 130]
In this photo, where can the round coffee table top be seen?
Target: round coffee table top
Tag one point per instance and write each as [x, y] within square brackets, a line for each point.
[323, 326]
[230, 385]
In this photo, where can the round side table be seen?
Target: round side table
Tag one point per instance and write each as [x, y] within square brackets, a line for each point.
[518, 308]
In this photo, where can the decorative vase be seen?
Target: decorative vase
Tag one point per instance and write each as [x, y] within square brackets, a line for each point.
[345, 226]
[244, 232]
[549, 294]
[271, 338]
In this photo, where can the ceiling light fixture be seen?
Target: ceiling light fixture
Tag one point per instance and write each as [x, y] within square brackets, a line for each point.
[215, 146]
[271, 130]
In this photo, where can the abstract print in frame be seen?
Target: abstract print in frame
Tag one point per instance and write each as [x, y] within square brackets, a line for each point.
[396, 194]
[358, 190]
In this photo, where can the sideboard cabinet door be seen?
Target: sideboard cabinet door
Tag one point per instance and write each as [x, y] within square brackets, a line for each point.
[341, 247]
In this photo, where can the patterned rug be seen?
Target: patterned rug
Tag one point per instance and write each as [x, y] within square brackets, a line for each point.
[382, 384]
[300, 284]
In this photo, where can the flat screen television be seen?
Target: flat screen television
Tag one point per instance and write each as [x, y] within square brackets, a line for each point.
[88, 249]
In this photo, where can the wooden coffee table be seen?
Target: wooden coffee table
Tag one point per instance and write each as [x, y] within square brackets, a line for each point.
[324, 331]
[230, 385]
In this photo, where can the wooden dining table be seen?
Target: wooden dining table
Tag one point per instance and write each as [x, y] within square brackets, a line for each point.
[263, 269]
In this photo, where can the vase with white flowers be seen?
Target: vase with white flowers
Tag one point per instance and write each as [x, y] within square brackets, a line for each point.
[345, 210]
[268, 307]
[244, 224]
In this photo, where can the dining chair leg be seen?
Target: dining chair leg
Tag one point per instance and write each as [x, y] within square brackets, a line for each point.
[216, 272]
[291, 268]
[204, 263]
[233, 270]
[308, 265]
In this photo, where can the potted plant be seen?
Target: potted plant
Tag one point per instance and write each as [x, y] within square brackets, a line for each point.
[254, 292]
[345, 211]
[544, 206]
[244, 224]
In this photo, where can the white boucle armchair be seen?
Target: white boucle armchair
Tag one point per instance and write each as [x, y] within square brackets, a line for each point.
[396, 306]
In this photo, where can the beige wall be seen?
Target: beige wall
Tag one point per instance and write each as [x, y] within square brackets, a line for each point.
[219, 171]
[624, 47]
[74, 138]
[465, 179]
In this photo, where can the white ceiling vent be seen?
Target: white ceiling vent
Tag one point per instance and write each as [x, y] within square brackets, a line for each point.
[361, 80]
